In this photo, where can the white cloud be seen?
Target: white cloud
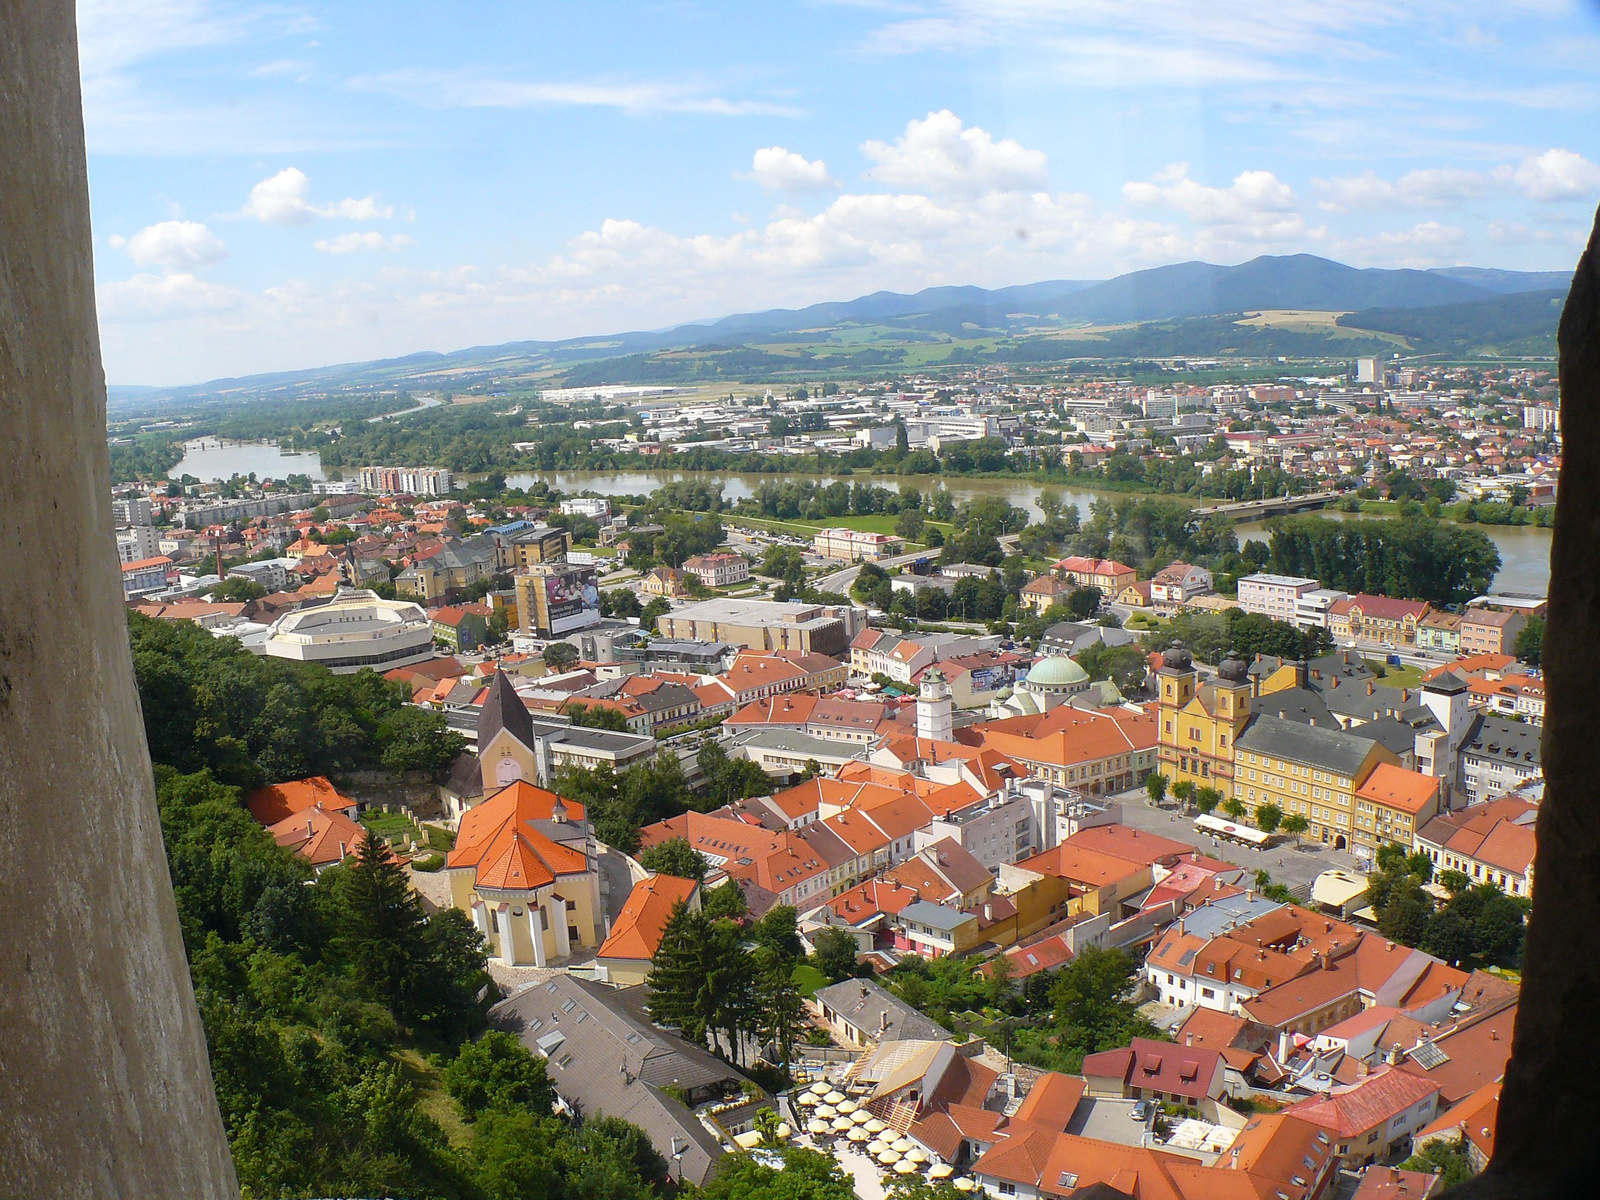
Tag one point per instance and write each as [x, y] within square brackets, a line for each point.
[1256, 207]
[146, 298]
[185, 244]
[1426, 244]
[346, 243]
[1434, 187]
[467, 89]
[1556, 175]
[938, 155]
[282, 200]
[780, 170]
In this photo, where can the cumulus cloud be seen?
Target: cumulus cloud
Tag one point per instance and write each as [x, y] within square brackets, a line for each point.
[1556, 175]
[185, 244]
[780, 170]
[283, 199]
[938, 154]
[1257, 206]
[346, 243]
[1434, 187]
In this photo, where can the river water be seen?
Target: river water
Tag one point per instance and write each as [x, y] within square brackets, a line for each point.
[1524, 550]
[211, 458]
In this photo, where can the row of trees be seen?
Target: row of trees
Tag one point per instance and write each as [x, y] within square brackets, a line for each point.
[1418, 558]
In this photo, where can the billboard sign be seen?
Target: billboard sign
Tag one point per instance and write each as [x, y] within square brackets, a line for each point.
[572, 599]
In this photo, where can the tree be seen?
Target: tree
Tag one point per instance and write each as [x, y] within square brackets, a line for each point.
[236, 590]
[1294, 824]
[677, 858]
[498, 1072]
[1530, 641]
[418, 739]
[1452, 1161]
[836, 954]
[559, 656]
[652, 612]
[1083, 603]
[596, 716]
[910, 524]
[1234, 807]
[1155, 785]
[726, 900]
[804, 1175]
[1268, 817]
[381, 924]
[1183, 791]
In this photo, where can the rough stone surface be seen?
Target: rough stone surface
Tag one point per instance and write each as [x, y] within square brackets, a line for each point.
[1544, 1144]
[105, 1089]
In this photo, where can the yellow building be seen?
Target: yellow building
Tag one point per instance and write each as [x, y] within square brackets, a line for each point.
[1307, 769]
[1200, 723]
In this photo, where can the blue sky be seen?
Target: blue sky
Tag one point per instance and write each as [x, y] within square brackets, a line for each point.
[285, 185]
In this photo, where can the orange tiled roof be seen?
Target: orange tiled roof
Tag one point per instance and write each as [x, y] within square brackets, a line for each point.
[273, 803]
[636, 933]
[500, 842]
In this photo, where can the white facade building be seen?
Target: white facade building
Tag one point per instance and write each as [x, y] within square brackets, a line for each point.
[1275, 596]
[355, 629]
[597, 508]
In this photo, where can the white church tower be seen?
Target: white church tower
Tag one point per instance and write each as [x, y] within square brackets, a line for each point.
[935, 709]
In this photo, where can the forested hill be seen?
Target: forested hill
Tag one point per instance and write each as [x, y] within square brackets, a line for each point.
[1522, 323]
[1183, 309]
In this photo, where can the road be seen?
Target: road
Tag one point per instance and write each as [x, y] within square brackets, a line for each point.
[840, 581]
[1284, 863]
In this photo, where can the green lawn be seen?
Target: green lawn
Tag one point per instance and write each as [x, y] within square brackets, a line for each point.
[808, 979]
[1396, 677]
[390, 825]
[871, 523]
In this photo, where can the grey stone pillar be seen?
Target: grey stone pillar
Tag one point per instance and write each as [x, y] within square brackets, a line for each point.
[1543, 1144]
[105, 1090]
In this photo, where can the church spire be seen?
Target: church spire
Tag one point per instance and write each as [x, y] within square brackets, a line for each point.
[504, 709]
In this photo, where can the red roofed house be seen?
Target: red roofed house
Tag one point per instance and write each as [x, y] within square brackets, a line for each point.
[278, 801]
[636, 933]
[1373, 1118]
[322, 837]
[524, 865]
[1376, 619]
[1106, 574]
[1159, 1071]
[1473, 1119]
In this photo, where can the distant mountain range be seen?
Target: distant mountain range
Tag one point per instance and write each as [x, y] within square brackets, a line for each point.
[1175, 311]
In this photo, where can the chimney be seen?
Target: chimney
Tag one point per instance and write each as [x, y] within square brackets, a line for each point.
[988, 912]
[1188, 1039]
[1282, 715]
[1285, 1045]
[1312, 722]
[1316, 674]
[1336, 681]
[883, 1021]
[1370, 687]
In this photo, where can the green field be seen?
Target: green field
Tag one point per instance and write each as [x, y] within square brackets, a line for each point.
[1397, 677]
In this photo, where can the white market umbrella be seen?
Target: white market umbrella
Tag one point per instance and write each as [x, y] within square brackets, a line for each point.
[916, 1155]
[858, 1135]
[747, 1141]
[783, 1130]
[876, 1148]
[834, 1098]
[876, 1126]
[821, 1088]
[847, 1106]
[888, 1158]
[807, 1099]
[817, 1127]
[861, 1117]
[826, 1112]
[965, 1185]
[842, 1125]
[941, 1171]
[903, 1145]
[904, 1167]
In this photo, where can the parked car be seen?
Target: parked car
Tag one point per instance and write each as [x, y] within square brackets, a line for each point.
[1142, 1110]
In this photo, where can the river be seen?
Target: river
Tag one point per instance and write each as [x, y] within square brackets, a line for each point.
[1524, 549]
[212, 458]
